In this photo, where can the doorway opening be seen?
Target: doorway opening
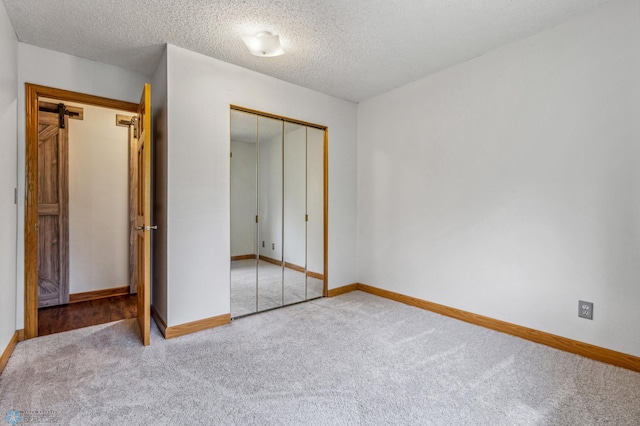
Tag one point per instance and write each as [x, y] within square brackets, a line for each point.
[88, 177]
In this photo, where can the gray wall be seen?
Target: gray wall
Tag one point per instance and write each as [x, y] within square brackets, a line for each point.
[98, 201]
[8, 130]
[243, 198]
[160, 163]
[200, 90]
[508, 186]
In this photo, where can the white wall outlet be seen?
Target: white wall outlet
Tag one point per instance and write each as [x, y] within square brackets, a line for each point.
[585, 309]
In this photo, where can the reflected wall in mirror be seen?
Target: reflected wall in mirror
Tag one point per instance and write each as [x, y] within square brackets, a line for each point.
[244, 198]
[295, 165]
[315, 210]
[269, 213]
[278, 212]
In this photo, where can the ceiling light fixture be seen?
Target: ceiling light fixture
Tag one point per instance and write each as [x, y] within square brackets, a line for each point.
[264, 44]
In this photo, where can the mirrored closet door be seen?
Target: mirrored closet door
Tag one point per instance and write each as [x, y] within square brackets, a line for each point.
[278, 220]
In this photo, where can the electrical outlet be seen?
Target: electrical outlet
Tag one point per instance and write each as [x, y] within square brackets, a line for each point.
[585, 309]
[273, 246]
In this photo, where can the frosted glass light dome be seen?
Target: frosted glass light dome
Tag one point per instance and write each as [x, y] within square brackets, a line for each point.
[264, 44]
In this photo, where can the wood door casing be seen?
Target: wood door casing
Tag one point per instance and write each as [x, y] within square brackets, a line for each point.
[53, 210]
[143, 216]
[31, 205]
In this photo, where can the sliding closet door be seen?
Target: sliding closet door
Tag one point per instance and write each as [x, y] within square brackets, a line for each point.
[315, 212]
[270, 293]
[244, 209]
[295, 198]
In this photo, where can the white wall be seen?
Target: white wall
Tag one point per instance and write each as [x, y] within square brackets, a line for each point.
[295, 183]
[98, 201]
[200, 92]
[270, 188]
[243, 198]
[509, 185]
[8, 130]
[62, 71]
[160, 160]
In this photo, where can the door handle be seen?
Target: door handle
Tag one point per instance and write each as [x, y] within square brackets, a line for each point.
[146, 228]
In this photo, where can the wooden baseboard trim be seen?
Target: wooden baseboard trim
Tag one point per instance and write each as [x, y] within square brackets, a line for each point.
[342, 290]
[294, 267]
[20, 334]
[315, 275]
[243, 257]
[279, 263]
[301, 269]
[586, 350]
[271, 260]
[6, 354]
[195, 326]
[162, 326]
[98, 294]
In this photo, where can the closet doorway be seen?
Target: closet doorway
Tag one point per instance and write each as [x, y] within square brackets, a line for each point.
[278, 211]
[87, 203]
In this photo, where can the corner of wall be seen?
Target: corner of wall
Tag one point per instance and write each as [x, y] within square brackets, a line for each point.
[8, 179]
[501, 185]
[160, 161]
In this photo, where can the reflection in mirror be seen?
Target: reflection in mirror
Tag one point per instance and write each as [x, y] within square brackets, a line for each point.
[277, 213]
[243, 213]
[295, 228]
[315, 210]
[270, 294]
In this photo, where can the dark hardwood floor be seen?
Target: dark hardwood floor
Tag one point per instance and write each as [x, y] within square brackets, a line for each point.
[77, 315]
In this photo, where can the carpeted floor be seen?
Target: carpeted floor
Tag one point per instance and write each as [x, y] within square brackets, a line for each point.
[355, 359]
[272, 289]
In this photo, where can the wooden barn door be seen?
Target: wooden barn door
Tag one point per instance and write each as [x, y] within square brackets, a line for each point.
[53, 210]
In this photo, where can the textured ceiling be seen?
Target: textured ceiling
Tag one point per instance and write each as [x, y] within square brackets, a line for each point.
[352, 49]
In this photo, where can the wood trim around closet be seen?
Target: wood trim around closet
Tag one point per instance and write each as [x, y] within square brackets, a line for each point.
[277, 117]
[324, 276]
[325, 289]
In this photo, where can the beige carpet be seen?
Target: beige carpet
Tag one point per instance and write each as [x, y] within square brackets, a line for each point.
[355, 359]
